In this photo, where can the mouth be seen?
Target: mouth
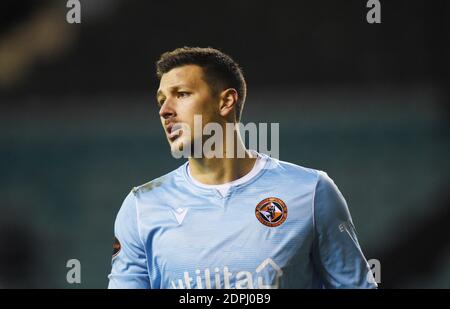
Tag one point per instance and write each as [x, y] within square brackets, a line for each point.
[173, 131]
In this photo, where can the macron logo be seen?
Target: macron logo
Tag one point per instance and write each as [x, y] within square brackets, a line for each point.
[180, 213]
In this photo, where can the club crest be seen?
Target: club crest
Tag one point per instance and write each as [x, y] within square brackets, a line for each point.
[271, 211]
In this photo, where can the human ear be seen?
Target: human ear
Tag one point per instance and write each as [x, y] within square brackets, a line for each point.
[228, 101]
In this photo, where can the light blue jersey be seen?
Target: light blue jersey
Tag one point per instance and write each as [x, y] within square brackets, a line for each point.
[285, 227]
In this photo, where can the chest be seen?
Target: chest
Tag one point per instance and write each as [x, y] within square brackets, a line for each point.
[229, 238]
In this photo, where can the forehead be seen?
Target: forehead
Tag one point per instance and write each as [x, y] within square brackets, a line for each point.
[187, 75]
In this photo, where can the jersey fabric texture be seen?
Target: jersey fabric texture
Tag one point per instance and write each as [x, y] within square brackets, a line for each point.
[287, 226]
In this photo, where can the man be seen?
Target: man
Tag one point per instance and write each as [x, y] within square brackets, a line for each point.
[229, 221]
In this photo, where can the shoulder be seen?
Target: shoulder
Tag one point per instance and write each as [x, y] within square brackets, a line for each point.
[326, 186]
[293, 172]
[131, 208]
[329, 203]
[168, 180]
[318, 182]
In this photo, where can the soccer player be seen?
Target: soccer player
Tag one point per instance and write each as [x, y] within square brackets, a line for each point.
[228, 221]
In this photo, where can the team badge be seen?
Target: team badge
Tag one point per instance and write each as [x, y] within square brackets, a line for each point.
[271, 211]
[116, 247]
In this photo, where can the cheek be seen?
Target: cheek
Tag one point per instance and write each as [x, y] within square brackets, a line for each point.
[198, 105]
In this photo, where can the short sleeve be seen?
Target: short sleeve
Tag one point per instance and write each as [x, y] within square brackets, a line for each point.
[336, 252]
[129, 263]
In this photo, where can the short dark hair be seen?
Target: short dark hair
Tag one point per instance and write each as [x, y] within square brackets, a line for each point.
[218, 69]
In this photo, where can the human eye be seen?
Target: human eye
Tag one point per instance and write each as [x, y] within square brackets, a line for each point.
[182, 94]
[160, 101]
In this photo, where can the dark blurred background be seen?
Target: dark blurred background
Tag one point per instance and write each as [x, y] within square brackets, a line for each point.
[367, 103]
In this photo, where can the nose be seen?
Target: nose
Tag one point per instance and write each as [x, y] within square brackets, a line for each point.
[167, 109]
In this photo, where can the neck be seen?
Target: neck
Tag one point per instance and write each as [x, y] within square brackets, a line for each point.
[213, 171]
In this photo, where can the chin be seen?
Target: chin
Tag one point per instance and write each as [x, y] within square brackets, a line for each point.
[178, 149]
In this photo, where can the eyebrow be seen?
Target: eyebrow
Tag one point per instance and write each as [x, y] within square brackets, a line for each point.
[171, 89]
